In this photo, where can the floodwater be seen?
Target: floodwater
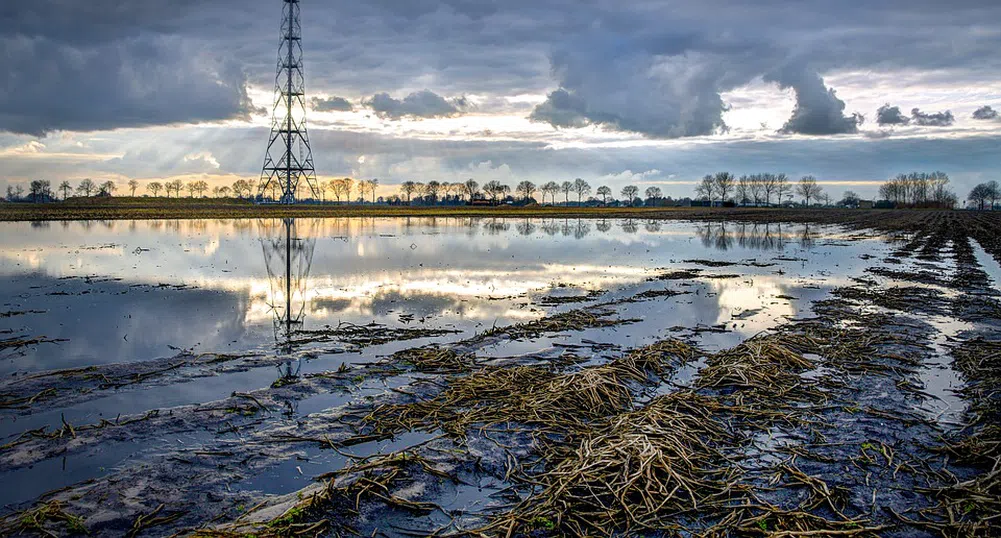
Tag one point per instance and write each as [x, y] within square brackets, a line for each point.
[83, 294]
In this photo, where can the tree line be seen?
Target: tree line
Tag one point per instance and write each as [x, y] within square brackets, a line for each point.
[916, 189]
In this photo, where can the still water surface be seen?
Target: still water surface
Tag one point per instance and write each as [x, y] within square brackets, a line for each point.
[99, 293]
[131, 291]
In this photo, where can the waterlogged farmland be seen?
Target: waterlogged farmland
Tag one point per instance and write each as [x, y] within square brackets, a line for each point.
[411, 376]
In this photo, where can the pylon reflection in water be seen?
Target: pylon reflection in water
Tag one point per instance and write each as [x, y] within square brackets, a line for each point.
[288, 255]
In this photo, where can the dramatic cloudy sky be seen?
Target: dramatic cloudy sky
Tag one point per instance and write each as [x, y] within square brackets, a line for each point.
[643, 91]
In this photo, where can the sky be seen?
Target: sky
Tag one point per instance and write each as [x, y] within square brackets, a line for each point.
[643, 92]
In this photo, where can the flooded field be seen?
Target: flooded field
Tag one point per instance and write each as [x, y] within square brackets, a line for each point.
[418, 376]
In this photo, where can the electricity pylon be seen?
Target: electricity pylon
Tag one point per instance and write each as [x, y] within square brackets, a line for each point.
[289, 160]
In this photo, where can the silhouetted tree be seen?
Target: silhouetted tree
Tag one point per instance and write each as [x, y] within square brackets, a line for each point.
[552, 189]
[980, 194]
[567, 188]
[629, 193]
[706, 188]
[809, 189]
[653, 194]
[724, 182]
[526, 189]
[432, 189]
[604, 192]
[86, 187]
[154, 187]
[582, 188]
[472, 188]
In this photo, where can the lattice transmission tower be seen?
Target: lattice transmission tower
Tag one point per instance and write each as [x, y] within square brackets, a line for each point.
[289, 160]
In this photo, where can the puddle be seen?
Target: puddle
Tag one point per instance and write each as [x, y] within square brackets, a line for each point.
[987, 263]
[298, 472]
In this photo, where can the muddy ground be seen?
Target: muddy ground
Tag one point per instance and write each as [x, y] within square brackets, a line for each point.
[836, 424]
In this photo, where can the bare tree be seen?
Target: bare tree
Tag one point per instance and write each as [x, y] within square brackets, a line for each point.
[472, 188]
[242, 187]
[154, 187]
[782, 187]
[40, 190]
[984, 192]
[133, 185]
[373, 185]
[809, 189]
[526, 189]
[552, 189]
[408, 188]
[192, 189]
[757, 190]
[567, 188]
[629, 193]
[582, 188]
[724, 182]
[604, 192]
[850, 199]
[432, 189]
[223, 191]
[336, 187]
[175, 185]
[348, 185]
[65, 187]
[654, 193]
[706, 188]
[770, 186]
[86, 187]
[993, 192]
[742, 192]
[107, 188]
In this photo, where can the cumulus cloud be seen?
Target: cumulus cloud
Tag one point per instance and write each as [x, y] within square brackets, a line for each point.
[625, 86]
[818, 110]
[937, 119]
[332, 103]
[422, 104]
[891, 115]
[985, 113]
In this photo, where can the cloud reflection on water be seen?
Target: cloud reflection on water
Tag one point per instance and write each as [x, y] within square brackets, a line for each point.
[460, 272]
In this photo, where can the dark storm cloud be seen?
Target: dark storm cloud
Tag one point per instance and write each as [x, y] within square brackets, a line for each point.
[648, 66]
[137, 82]
[421, 104]
[985, 113]
[818, 110]
[562, 109]
[937, 119]
[331, 103]
[891, 115]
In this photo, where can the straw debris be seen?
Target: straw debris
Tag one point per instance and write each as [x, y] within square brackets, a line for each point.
[435, 359]
[638, 470]
[533, 395]
[574, 320]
